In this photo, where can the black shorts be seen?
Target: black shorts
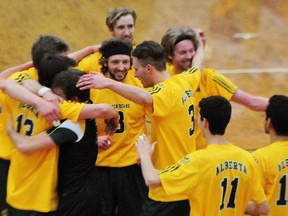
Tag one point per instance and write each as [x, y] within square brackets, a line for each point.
[84, 201]
[153, 208]
[4, 167]
[122, 190]
[17, 212]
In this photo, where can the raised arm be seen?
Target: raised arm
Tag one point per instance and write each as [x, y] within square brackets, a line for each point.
[80, 54]
[9, 71]
[198, 59]
[132, 93]
[253, 102]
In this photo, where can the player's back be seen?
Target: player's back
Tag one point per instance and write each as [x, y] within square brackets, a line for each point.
[273, 163]
[228, 179]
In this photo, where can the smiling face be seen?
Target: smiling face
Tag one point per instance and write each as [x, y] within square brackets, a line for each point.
[124, 28]
[143, 73]
[118, 66]
[184, 52]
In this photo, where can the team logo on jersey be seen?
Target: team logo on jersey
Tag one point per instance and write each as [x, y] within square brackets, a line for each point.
[185, 160]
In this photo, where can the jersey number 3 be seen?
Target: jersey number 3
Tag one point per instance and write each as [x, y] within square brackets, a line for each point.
[191, 114]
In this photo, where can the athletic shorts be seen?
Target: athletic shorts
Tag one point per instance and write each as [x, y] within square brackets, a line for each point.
[17, 212]
[153, 208]
[81, 202]
[4, 167]
[123, 190]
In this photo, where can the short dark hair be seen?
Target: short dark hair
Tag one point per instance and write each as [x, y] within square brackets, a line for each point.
[217, 111]
[114, 46]
[50, 44]
[52, 64]
[277, 111]
[67, 80]
[150, 52]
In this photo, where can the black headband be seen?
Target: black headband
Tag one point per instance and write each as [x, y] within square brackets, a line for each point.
[123, 50]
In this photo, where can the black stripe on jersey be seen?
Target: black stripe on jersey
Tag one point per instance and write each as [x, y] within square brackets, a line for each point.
[21, 77]
[222, 82]
[190, 71]
[156, 89]
[169, 169]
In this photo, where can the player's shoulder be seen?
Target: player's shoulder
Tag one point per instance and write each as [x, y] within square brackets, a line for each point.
[91, 58]
[132, 80]
[157, 88]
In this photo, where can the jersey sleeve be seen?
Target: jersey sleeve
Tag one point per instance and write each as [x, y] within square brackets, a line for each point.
[180, 178]
[258, 194]
[160, 95]
[193, 76]
[214, 83]
[66, 132]
[260, 165]
[20, 76]
[71, 110]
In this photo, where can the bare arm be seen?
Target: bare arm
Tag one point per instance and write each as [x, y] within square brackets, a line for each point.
[34, 86]
[28, 144]
[198, 59]
[47, 109]
[9, 71]
[104, 111]
[132, 93]
[66, 132]
[257, 209]
[80, 54]
[144, 150]
[255, 103]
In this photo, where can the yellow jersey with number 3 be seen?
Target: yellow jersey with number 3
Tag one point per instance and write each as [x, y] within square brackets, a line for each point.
[211, 83]
[173, 123]
[132, 123]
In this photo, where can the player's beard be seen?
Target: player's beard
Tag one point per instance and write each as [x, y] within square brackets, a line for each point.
[116, 78]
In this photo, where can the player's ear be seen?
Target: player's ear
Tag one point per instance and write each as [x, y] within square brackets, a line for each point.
[111, 30]
[149, 68]
[169, 56]
[268, 123]
[205, 123]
